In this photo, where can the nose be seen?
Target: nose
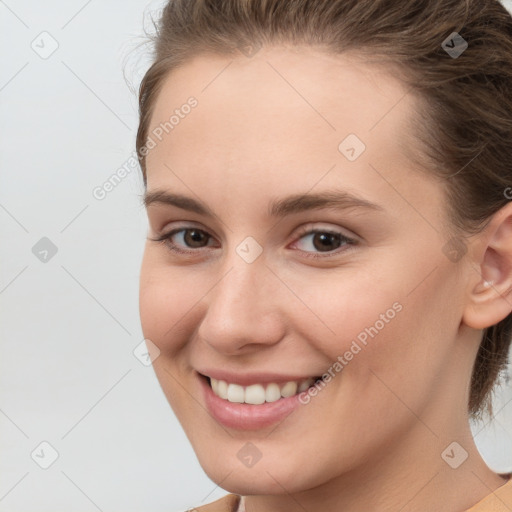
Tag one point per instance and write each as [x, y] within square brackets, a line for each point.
[243, 310]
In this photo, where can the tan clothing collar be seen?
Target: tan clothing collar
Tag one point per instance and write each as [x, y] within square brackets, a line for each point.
[229, 503]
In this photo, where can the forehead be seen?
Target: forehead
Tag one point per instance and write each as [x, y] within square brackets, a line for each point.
[280, 91]
[279, 116]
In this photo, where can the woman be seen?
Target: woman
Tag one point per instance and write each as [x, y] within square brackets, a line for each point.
[310, 376]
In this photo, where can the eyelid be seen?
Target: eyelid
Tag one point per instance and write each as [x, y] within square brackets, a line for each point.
[313, 227]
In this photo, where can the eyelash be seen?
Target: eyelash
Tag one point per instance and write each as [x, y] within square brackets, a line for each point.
[345, 241]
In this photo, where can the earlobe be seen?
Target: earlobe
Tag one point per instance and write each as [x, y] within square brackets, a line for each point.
[490, 299]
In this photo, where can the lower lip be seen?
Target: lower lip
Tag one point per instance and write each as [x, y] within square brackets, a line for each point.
[247, 416]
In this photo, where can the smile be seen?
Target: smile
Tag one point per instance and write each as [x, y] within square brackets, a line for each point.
[251, 401]
[257, 394]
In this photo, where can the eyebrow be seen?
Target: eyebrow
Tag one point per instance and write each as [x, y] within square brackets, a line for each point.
[277, 208]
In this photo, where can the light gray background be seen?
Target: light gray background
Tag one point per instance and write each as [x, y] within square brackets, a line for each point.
[69, 325]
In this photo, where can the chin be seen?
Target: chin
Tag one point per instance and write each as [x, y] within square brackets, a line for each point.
[264, 478]
[252, 482]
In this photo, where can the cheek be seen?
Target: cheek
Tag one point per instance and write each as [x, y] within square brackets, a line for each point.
[166, 308]
[345, 307]
[400, 329]
[166, 298]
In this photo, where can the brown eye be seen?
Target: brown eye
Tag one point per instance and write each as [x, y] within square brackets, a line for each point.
[326, 241]
[315, 241]
[185, 240]
[195, 237]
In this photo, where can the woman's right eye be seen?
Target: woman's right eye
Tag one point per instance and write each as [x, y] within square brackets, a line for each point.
[188, 239]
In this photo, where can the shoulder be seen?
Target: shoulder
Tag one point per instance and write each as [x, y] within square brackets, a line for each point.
[228, 503]
[498, 501]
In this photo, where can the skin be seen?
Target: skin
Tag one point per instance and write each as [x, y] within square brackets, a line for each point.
[264, 128]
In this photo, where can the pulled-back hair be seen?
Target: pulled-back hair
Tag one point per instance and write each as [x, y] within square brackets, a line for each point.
[463, 116]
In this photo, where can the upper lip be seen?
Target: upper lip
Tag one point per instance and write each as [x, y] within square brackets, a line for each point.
[246, 379]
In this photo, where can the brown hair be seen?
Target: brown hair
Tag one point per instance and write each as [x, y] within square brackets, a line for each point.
[465, 107]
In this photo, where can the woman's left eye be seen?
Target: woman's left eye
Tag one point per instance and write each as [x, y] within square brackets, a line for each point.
[323, 241]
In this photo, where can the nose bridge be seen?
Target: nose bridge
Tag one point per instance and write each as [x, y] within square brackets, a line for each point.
[240, 308]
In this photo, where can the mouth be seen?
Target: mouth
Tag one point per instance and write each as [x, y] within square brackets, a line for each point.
[258, 393]
[253, 401]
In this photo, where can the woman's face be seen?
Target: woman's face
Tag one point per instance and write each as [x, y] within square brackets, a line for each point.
[308, 246]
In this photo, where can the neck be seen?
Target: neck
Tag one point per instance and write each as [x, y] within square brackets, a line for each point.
[410, 476]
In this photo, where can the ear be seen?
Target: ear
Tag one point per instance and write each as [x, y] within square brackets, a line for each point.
[490, 291]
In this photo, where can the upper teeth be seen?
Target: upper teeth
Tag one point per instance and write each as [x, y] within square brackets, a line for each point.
[258, 393]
